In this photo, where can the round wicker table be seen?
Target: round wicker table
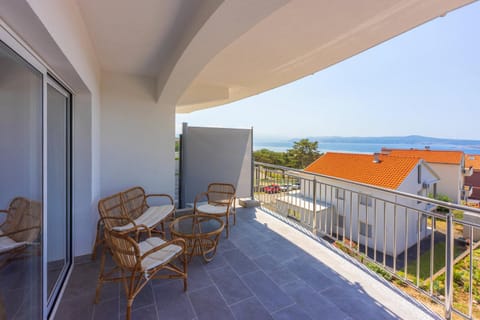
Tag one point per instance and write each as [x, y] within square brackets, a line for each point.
[201, 233]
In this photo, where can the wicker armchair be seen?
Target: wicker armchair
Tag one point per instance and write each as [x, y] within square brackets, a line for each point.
[220, 201]
[139, 262]
[20, 229]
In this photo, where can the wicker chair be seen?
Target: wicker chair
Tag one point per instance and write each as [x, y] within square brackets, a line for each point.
[129, 209]
[20, 229]
[139, 262]
[220, 202]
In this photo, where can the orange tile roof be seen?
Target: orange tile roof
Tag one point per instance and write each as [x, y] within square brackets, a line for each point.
[390, 172]
[432, 156]
[472, 160]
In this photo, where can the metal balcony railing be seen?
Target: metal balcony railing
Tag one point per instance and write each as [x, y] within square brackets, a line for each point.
[430, 245]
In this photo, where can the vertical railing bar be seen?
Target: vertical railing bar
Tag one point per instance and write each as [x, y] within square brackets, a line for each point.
[271, 180]
[320, 215]
[336, 213]
[299, 195]
[395, 237]
[470, 292]
[310, 189]
[405, 254]
[432, 253]
[331, 211]
[375, 229]
[449, 264]
[325, 221]
[350, 222]
[261, 182]
[366, 226]
[344, 215]
[419, 225]
[358, 221]
[314, 209]
[384, 233]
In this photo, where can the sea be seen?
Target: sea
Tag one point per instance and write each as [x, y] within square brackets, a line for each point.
[470, 147]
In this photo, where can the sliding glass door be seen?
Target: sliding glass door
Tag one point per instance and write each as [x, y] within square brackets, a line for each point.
[35, 185]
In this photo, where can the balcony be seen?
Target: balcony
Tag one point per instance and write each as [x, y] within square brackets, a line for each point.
[427, 245]
[266, 270]
[468, 172]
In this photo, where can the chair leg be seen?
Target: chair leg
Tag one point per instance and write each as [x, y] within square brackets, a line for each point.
[163, 230]
[226, 225]
[234, 215]
[100, 276]
[185, 266]
[98, 241]
[129, 308]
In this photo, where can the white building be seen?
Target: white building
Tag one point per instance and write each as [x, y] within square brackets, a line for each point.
[449, 165]
[357, 209]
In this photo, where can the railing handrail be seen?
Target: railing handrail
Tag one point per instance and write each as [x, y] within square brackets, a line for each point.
[391, 191]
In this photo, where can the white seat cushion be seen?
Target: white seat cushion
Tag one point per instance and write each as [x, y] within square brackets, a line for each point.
[211, 209]
[7, 243]
[159, 257]
[150, 218]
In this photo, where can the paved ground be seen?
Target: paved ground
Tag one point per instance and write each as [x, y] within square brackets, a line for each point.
[266, 270]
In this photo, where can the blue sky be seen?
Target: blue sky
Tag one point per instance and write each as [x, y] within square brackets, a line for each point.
[425, 82]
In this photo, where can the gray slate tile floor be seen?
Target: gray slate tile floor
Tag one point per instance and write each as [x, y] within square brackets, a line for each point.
[266, 270]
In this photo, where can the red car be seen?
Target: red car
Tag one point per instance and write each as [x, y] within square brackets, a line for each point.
[273, 188]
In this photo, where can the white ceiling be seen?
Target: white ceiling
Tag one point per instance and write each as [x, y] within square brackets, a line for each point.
[242, 47]
[135, 37]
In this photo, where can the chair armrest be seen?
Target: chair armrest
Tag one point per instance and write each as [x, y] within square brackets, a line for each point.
[164, 195]
[19, 231]
[178, 241]
[137, 228]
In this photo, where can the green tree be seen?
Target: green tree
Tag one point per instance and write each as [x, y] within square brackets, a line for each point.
[302, 154]
[269, 156]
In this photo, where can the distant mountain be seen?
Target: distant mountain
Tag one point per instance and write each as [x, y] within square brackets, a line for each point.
[413, 139]
[372, 144]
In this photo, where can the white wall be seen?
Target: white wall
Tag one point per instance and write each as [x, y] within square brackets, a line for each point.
[137, 136]
[451, 180]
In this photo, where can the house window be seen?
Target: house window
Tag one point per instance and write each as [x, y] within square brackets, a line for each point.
[365, 200]
[340, 194]
[364, 228]
[419, 170]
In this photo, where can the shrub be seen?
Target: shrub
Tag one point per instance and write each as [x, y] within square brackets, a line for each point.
[385, 274]
[441, 197]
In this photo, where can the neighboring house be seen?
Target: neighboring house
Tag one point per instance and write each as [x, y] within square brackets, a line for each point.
[449, 165]
[472, 184]
[472, 164]
[356, 206]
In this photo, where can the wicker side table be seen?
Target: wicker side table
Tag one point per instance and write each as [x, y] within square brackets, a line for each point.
[201, 233]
